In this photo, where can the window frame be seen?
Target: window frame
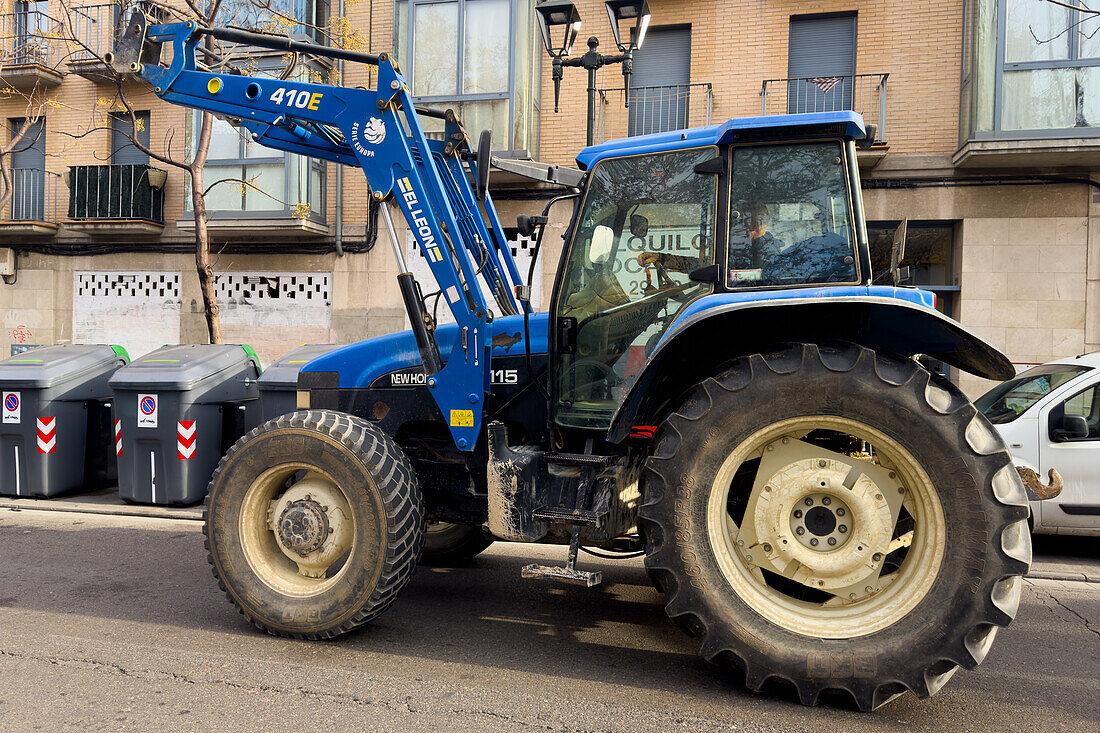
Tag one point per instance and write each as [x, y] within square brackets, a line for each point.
[406, 50]
[969, 88]
[859, 234]
[1059, 412]
[317, 210]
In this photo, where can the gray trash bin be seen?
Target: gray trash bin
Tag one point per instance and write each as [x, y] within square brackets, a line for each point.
[179, 408]
[55, 429]
[279, 382]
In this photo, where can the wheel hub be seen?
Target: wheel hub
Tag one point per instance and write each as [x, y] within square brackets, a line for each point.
[820, 518]
[820, 522]
[303, 526]
[312, 525]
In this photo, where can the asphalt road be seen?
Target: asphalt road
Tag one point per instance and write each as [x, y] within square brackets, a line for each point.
[115, 623]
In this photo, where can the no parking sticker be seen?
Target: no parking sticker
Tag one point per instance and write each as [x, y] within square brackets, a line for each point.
[147, 411]
[11, 407]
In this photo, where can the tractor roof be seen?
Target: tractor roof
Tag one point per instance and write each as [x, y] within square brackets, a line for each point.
[774, 127]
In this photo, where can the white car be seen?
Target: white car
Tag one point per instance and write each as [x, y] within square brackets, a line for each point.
[1049, 416]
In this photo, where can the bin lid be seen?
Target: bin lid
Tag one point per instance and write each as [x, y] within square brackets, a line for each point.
[182, 367]
[64, 364]
[283, 374]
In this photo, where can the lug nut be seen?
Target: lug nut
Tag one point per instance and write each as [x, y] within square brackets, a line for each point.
[767, 547]
[800, 530]
[813, 541]
[809, 501]
[877, 556]
[832, 540]
[822, 464]
[840, 511]
[842, 528]
[826, 500]
[798, 514]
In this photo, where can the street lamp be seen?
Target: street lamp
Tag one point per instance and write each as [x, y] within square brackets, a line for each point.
[560, 17]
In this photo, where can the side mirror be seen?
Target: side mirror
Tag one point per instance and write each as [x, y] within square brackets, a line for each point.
[639, 225]
[1073, 427]
[484, 152]
[706, 274]
[869, 139]
[526, 225]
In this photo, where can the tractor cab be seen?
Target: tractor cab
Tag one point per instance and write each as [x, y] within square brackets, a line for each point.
[755, 204]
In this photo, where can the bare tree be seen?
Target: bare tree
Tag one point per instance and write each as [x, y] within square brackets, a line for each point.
[259, 14]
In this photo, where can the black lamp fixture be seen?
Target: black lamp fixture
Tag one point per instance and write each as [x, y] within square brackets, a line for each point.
[628, 10]
[560, 18]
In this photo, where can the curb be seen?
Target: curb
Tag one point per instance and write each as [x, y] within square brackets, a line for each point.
[155, 512]
[1091, 577]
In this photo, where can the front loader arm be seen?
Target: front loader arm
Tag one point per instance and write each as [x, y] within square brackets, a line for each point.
[379, 131]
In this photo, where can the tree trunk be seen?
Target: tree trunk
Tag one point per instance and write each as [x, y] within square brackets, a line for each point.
[5, 184]
[202, 234]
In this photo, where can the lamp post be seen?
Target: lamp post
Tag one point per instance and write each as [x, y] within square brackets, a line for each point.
[560, 19]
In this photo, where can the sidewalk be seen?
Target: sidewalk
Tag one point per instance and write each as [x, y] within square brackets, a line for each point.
[103, 501]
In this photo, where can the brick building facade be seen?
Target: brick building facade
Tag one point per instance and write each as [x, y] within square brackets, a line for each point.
[1004, 223]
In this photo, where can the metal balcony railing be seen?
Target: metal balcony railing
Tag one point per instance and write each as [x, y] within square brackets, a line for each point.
[29, 37]
[652, 109]
[862, 93]
[33, 195]
[93, 29]
[116, 192]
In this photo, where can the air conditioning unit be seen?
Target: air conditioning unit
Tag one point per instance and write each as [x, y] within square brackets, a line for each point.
[7, 261]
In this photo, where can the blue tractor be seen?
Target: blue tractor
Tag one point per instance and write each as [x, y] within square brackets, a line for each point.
[718, 385]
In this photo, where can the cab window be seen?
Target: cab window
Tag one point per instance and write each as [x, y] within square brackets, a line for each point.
[646, 222]
[790, 221]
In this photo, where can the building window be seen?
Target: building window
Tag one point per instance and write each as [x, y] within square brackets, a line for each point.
[821, 63]
[280, 16]
[123, 135]
[929, 254]
[478, 57]
[1030, 69]
[259, 181]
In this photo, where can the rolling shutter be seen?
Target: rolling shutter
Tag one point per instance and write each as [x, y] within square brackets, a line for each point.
[821, 48]
[659, 85]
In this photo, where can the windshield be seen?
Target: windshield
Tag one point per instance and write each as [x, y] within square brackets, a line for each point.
[789, 217]
[1007, 401]
[646, 222]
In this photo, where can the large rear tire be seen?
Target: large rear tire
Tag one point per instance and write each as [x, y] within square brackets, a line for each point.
[836, 519]
[314, 524]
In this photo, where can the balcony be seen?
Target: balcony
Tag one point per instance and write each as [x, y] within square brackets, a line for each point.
[652, 109]
[32, 211]
[93, 29]
[116, 199]
[862, 93]
[30, 51]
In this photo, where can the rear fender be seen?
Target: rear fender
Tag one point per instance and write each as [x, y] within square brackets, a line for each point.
[706, 337]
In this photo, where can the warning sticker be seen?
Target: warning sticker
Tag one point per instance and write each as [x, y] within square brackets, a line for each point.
[11, 407]
[462, 418]
[147, 411]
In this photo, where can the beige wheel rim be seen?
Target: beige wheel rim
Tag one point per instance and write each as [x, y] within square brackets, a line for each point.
[875, 521]
[297, 530]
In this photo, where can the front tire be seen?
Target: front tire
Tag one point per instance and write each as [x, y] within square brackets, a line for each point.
[314, 524]
[836, 519]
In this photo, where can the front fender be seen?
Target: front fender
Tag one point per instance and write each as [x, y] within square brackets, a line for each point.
[716, 328]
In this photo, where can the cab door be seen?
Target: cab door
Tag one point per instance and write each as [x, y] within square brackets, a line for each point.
[1077, 458]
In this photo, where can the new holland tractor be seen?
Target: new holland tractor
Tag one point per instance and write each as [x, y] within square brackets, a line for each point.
[717, 384]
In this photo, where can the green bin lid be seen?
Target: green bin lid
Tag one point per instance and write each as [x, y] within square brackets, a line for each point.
[52, 366]
[181, 368]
